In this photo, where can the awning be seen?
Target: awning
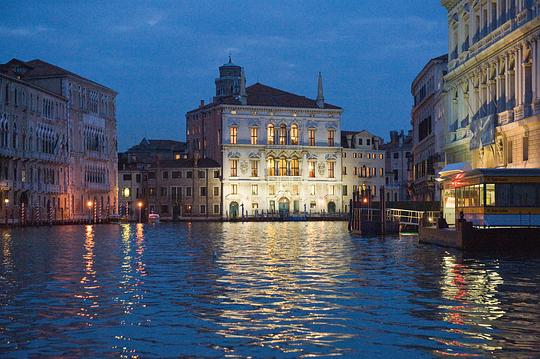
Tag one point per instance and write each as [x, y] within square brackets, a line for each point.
[453, 169]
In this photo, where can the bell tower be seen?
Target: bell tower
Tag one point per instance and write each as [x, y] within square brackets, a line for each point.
[229, 82]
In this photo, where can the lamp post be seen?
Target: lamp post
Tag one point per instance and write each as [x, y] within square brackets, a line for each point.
[140, 210]
[6, 202]
[90, 204]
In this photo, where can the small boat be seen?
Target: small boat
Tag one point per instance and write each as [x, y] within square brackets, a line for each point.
[153, 218]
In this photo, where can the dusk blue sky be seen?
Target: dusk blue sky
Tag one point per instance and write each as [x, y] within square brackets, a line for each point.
[163, 56]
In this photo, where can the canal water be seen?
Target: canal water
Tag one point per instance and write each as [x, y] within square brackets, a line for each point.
[257, 289]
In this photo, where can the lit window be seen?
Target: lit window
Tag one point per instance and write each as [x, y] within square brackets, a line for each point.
[254, 168]
[294, 135]
[234, 135]
[283, 135]
[254, 190]
[311, 137]
[255, 206]
[381, 172]
[271, 190]
[282, 166]
[311, 165]
[295, 167]
[381, 156]
[271, 134]
[331, 190]
[331, 134]
[254, 135]
[331, 166]
[234, 168]
[312, 190]
[234, 189]
[271, 166]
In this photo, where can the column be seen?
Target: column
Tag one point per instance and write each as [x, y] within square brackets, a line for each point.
[518, 109]
[536, 75]
[510, 85]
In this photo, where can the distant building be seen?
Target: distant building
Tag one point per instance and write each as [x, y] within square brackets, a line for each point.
[62, 159]
[363, 165]
[175, 189]
[493, 83]
[280, 152]
[398, 166]
[428, 123]
[148, 151]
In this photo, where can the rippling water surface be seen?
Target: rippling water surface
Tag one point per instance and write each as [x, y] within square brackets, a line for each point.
[257, 289]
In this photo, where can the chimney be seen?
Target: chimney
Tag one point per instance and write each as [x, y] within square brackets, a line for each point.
[320, 96]
[202, 103]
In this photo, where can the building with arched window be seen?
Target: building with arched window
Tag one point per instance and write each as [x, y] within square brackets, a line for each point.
[279, 152]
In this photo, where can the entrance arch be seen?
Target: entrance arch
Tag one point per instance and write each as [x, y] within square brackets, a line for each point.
[233, 210]
[283, 206]
[331, 207]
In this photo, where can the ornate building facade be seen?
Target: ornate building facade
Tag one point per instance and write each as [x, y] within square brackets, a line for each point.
[85, 112]
[428, 123]
[398, 166]
[280, 152]
[493, 83]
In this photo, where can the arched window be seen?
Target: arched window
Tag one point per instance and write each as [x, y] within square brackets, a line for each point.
[282, 166]
[295, 168]
[294, 134]
[271, 134]
[283, 134]
[271, 166]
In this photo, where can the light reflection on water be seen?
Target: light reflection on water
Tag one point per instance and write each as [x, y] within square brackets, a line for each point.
[257, 289]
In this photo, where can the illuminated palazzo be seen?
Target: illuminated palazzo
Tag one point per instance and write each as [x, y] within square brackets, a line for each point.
[279, 152]
[493, 83]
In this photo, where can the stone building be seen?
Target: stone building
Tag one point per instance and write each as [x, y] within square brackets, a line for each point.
[363, 165]
[493, 83]
[175, 189]
[34, 159]
[280, 152]
[90, 135]
[428, 123]
[398, 166]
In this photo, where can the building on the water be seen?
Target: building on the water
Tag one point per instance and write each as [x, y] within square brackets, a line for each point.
[398, 166]
[493, 83]
[428, 124]
[58, 147]
[363, 165]
[280, 152]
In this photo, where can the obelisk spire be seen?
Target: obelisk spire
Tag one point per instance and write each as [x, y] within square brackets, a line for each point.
[320, 96]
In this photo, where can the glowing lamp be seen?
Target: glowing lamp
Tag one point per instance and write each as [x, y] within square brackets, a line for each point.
[89, 204]
[139, 204]
[126, 192]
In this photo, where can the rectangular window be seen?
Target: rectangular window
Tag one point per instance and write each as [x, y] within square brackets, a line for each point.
[203, 191]
[188, 191]
[126, 177]
[525, 148]
[216, 208]
[312, 205]
[202, 209]
[151, 175]
[202, 174]
[234, 168]
[509, 152]
[311, 165]
[254, 134]
[312, 190]
[189, 174]
[271, 190]
[216, 174]
[254, 168]
[165, 175]
[151, 191]
[344, 170]
[355, 171]
[164, 209]
[271, 166]
[254, 190]
[254, 206]
[177, 174]
[331, 135]
[216, 191]
[381, 156]
[234, 135]
[294, 135]
[163, 192]
[360, 142]
[282, 167]
[311, 137]
[272, 206]
[381, 172]
[396, 155]
[331, 190]
[234, 189]
[295, 191]
[331, 166]
[138, 178]
[344, 189]
[176, 193]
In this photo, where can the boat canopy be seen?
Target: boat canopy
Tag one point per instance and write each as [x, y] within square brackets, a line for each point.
[453, 169]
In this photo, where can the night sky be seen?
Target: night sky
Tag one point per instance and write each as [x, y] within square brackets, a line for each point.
[163, 56]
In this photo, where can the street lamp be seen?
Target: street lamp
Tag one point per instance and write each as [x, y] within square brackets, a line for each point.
[90, 204]
[6, 202]
[140, 210]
